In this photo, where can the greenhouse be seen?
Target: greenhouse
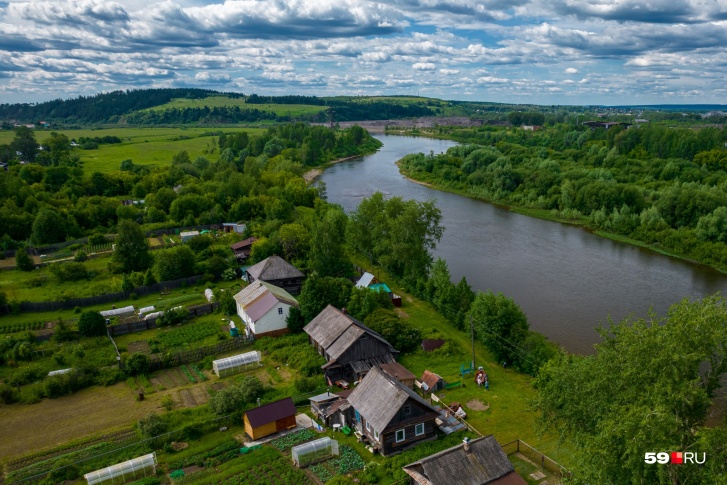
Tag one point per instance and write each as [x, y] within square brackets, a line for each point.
[125, 472]
[236, 363]
[314, 451]
[59, 372]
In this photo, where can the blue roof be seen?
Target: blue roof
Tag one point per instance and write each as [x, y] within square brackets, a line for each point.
[380, 287]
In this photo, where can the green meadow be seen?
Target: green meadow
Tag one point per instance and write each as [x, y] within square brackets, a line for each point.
[144, 146]
[223, 101]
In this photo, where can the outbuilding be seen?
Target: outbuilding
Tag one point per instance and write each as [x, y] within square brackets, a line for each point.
[270, 418]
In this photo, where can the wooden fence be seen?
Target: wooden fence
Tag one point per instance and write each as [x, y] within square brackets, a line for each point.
[187, 356]
[519, 446]
[46, 306]
[141, 325]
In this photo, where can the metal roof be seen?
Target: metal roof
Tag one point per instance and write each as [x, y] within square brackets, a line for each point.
[365, 280]
[274, 268]
[484, 463]
[260, 297]
[271, 412]
[397, 371]
[378, 398]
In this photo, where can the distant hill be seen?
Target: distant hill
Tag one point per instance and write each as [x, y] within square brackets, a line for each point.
[692, 108]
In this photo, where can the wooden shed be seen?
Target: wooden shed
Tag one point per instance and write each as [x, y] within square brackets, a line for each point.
[400, 373]
[270, 418]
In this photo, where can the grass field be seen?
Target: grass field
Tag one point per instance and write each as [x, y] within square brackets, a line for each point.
[223, 101]
[144, 146]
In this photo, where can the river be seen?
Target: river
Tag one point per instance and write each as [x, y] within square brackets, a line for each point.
[566, 279]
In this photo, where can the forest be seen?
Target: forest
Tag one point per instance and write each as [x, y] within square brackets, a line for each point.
[657, 185]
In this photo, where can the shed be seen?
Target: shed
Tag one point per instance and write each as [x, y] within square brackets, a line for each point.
[242, 248]
[319, 402]
[270, 418]
[432, 382]
[365, 280]
[400, 373]
[233, 227]
[474, 462]
[429, 345]
[187, 235]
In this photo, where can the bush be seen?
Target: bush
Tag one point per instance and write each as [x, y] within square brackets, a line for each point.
[137, 364]
[69, 271]
[151, 425]
[80, 256]
[396, 331]
[8, 394]
[91, 324]
[307, 384]
[23, 261]
[56, 386]
[97, 239]
[234, 397]
[108, 376]
[32, 394]
[173, 316]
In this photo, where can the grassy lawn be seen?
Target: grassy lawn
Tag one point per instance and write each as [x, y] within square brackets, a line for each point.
[509, 416]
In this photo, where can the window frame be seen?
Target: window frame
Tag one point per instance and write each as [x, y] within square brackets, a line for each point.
[280, 310]
[407, 410]
[403, 435]
[416, 429]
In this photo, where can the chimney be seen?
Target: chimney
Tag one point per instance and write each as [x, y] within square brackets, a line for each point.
[466, 445]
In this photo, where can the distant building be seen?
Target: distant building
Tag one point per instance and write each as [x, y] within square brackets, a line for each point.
[233, 227]
[242, 249]
[604, 124]
[481, 461]
[187, 235]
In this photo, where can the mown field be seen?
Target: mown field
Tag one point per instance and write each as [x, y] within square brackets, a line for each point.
[223, 101]
[144, 146]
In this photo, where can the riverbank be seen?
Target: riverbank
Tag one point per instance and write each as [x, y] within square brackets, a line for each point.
[310, 175]
[554, 216]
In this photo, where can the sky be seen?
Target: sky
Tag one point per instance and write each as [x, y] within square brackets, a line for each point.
[573, 52]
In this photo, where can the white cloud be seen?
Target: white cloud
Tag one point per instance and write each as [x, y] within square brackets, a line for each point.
[424, 66]
[449, 72]
[570, 70]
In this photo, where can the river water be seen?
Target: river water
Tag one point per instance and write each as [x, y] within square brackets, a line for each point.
[567, 280]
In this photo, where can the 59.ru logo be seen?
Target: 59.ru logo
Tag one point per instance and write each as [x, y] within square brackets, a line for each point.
[675, 457]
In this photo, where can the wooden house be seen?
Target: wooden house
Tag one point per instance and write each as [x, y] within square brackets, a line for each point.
[475, 462]
[432, 382]
[391, 416]
[275, 270]
[242, 248]
[270, 418]
[264, 309]
[350, 348]
[400, 373]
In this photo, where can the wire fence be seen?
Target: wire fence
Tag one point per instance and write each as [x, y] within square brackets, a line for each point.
[535, 456]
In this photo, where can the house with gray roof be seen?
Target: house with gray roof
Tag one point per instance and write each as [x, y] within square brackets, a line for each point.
[277, 271]
[389, 415]
[264, 309]
[475, 462]
[350, 348]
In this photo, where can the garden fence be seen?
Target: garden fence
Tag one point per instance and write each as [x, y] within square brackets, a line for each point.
[519, 446]
[141, 325]
[194, 355]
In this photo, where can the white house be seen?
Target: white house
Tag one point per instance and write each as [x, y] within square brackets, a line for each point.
[264, 308]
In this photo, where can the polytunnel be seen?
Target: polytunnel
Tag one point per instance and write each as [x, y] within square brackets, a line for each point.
[128, 471]
[314, 451]
[236, 363]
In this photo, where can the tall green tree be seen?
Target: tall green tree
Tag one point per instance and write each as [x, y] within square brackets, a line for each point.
[131, 250]
[49, 227]
[327, 249]
[500, 324]
[175, 263]
[647, 388]
[25, 143]
[319, 292]
[23, 260]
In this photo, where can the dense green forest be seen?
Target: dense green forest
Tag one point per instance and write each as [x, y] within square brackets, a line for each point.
[54, 198]
[661, 186]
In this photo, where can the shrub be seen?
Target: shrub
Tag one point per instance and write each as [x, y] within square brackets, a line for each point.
[108, 376]
[91, 324]
[307, 384]
[56, 386]
[173, 316]
[8, 394]
[137, 364]
[32, 394]
[168, 402]
[69, 271]
[23, 261]
[97, 239]
[151, 425]
[80, 256]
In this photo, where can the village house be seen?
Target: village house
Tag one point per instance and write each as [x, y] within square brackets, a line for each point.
[270, 418]
[264, 309]
[475, 462]
[242, 249]
[350, 348]
[277, 271]
[389, 415]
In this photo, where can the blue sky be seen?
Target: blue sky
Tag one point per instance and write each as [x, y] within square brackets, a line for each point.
[515, 51]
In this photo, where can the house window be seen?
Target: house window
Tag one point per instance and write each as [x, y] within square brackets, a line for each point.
[280, 311]
[419, 429]
[407, 410]
[376, 435]
[368, 426]
[400, 435]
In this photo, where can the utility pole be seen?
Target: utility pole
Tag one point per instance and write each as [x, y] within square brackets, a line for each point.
[472, 331]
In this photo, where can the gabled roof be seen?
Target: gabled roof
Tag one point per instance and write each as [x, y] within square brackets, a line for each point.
[274, 268]
[271, 412]
[260, 297]
[335, 331]
[485, 463]
[245, 243]
[365, 280]
[430, 379]
[378, 398]
[397, 371]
